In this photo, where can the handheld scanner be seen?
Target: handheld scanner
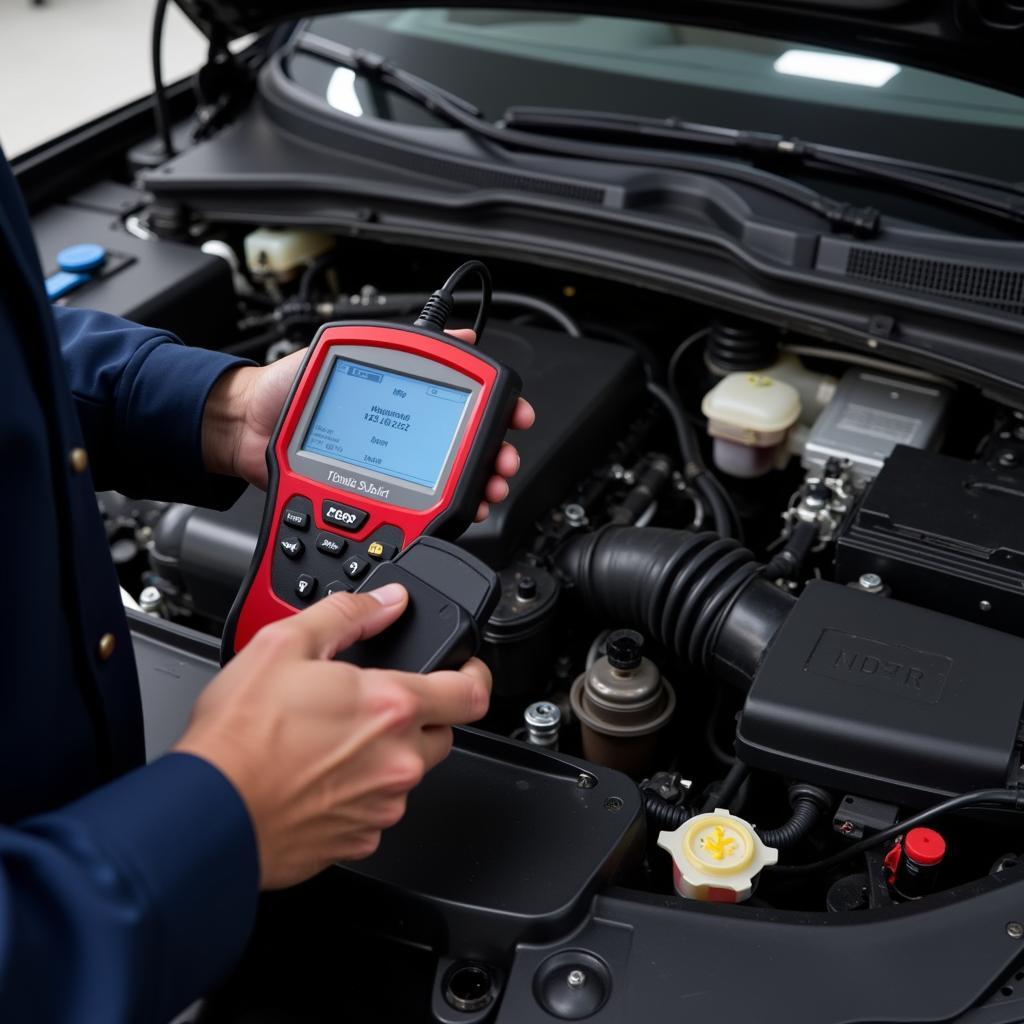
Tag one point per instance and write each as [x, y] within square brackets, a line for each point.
[389, 433]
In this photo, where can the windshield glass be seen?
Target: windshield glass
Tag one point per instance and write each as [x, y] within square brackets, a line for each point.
[501, 58]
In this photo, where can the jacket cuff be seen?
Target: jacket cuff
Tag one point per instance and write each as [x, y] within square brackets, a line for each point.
[181, 835]
[160, 403]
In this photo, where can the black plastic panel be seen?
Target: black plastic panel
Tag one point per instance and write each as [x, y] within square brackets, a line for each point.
[876, 697]
[162, 284]
[943, 533]
[501, 844]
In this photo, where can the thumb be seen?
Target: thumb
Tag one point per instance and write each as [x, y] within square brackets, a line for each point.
[340, 620]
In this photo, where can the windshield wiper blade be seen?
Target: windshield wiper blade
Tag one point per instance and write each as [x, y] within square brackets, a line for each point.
[861, 221]
[989, 195]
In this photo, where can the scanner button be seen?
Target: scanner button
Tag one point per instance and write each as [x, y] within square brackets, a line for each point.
[381, 551]
[343, 516]
[305, 586]
[336, 587]
[292, 546]
[296, 520]
[355, 567]
[328, 544]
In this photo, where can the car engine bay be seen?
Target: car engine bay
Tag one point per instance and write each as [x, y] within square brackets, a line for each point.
[756, 589]
[756, 733]
[816, 628]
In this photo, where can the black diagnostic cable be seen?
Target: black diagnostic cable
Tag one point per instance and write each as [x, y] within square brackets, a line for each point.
[160, 112]
[1012, 798]
[438, 308]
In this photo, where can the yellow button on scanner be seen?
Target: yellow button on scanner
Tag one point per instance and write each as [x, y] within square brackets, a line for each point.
[375, 550]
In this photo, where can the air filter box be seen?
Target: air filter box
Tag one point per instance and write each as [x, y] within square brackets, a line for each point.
[869, 695]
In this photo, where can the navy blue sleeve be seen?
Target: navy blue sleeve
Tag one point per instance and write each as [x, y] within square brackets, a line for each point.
[140, 395]
[130, 903]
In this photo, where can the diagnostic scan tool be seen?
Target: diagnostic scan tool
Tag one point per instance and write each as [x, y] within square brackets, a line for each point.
[389, 433]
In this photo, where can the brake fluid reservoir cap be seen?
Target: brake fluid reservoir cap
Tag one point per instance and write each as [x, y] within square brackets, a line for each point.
[751, 408]
[716, 857]
[81, 259]
[924, 846]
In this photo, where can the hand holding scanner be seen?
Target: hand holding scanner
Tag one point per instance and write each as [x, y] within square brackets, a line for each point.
[389, 433]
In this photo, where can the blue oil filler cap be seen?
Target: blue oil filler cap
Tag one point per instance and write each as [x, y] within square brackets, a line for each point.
[81, 259]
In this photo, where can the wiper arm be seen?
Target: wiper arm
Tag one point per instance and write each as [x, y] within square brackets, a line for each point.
[862, 221]
[1007, 202]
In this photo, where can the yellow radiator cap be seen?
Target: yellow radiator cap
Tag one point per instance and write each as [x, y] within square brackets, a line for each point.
[716, 857]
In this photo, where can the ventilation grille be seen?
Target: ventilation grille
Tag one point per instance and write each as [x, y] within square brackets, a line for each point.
[982, 286]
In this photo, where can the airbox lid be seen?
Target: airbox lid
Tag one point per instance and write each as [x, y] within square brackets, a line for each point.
[868, 694]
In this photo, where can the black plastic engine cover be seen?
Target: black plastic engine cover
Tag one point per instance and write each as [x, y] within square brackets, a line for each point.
[583, 390]
[866, 694]
[501, 844]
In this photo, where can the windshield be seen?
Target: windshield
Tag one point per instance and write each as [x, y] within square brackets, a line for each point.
[502, 58]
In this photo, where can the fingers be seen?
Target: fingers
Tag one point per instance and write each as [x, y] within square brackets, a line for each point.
[442, 698]
[466, 334]
[435, 744]
[507, 462]
[483, 510]
[337, 622]
[523, 416]
[496, 489]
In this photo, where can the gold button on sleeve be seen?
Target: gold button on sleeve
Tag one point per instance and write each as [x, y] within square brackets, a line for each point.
[105, 647]
[79, 459]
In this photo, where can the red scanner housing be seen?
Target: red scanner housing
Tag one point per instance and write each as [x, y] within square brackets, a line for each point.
[301, 487]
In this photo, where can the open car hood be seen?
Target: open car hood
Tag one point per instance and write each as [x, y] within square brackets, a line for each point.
[979, 40]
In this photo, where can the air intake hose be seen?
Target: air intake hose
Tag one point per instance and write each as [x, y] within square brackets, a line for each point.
[698, 594]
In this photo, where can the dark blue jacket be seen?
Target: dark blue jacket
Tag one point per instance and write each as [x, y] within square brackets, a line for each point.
[125, 891]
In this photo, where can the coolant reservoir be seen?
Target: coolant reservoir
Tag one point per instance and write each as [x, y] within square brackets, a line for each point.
[716, 857]
[749, 416]
[280, 252]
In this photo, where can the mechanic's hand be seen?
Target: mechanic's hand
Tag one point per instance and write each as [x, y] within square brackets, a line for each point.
[242, 411]
[324, 753]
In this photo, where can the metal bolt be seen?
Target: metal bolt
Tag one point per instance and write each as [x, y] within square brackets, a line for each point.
[585, 781]
[985, 606]
[577, 978]
[613, 803]
[150, 599]
[871, 582]
[575, 514]
[1015, 930]
[543, 720]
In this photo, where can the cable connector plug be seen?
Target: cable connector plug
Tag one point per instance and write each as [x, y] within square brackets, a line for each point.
[436, 311]
[438, 308]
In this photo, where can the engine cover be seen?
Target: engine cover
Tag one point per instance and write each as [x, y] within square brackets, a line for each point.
[584, 392]
[869, 695]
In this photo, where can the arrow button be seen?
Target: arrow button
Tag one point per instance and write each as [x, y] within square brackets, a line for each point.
[292, 547]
